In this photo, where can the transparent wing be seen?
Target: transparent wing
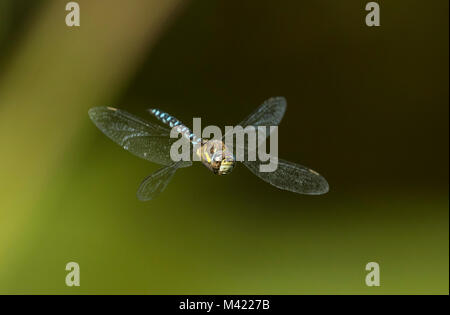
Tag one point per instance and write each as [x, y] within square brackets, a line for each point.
[288, 176]
[292, 177]
[145, 140]
[155, 183]
[270, 113]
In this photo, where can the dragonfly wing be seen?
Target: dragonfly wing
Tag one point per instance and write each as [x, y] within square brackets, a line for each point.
[145, 140]
[270, 113]
[288, 176]
[155, 183]
[292, 177]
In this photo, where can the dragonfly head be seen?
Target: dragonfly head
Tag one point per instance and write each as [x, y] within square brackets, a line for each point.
[217, 157]
[226, 166]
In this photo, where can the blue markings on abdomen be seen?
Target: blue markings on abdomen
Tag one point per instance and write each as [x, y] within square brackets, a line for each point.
[165, 118]
[173, 122]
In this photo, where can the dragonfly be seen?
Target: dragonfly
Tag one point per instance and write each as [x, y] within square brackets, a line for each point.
[152, 142]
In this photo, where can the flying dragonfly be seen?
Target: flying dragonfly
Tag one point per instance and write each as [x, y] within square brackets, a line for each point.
[152, 142]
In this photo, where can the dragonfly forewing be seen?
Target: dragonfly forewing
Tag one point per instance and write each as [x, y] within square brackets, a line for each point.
[270, 113]
[143, 139]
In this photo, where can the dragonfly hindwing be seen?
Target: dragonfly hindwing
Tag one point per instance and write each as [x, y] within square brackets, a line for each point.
[292, 177]
[155, 183]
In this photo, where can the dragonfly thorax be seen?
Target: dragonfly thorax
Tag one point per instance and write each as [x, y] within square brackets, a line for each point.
[215, 155]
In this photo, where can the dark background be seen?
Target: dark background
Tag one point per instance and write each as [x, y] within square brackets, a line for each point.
[367, 108]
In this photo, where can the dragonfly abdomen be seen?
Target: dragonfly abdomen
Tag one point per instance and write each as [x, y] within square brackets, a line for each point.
[173, 122]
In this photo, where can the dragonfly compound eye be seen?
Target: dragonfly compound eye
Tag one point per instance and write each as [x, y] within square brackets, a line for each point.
[217, 156]
[226, 166]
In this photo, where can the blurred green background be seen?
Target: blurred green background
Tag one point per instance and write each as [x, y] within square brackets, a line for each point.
[367, 108]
